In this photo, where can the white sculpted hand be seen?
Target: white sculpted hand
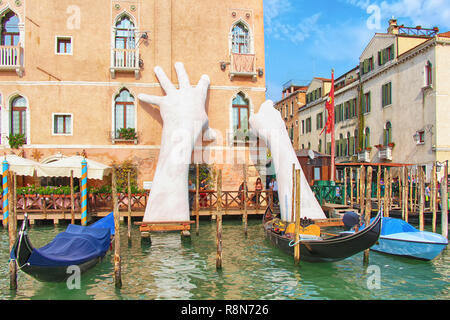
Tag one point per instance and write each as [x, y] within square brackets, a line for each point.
[184, 116]
[185, 106]
[267, 121]
[270, 127]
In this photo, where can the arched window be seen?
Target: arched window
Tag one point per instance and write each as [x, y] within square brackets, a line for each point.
[347, 149]
[387, 133]
[428, 74]
[367, 137]
[320, 145]
[124, 112]
[19, 116]
[341, 145]
[240, 42]
[124, 38]
[240, 114]
[10, 30]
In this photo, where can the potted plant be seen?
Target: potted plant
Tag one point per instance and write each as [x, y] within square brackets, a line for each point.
[391, 145]
[369, 149]
[16, 140]
[379, 146]
[127, 133]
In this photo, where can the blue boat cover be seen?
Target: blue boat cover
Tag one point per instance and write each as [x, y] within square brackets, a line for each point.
[392, 226]
[106, 222]
[73, 247]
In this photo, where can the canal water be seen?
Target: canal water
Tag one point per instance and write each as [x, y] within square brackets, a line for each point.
[175, 269]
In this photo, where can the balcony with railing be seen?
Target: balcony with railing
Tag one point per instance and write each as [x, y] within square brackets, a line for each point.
[11, 58]
[243, 65]
[125, 60]
[364, 156]
[385, 153]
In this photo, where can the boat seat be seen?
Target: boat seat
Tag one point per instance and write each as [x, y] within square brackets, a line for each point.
[312, 230]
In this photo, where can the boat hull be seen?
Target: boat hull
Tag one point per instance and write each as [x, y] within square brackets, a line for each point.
[59, 274]
[46, 270]
[418, 245]
[332, 249]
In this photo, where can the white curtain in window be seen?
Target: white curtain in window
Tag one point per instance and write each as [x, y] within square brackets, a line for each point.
[119, 117]
[130, 116]
[235, 118]
[244, 119]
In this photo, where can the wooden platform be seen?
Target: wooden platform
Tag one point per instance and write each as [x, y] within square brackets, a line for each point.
[166, 226]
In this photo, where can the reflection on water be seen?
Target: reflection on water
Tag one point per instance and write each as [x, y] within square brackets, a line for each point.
[172, 268]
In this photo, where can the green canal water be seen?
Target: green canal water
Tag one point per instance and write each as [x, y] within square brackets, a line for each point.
[174, 269]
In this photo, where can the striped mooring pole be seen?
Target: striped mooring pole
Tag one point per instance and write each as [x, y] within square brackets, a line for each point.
[5, 169]
[83, 192]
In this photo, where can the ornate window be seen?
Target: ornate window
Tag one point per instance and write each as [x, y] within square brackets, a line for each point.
[125, 52]
[240, 113]
[367, 137]
[18, 122]
[10, 30]
[125, 38]
[429, 74]
[124, 113]
[240, 41]
[387, 133]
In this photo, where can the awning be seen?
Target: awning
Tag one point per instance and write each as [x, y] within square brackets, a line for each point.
[63, 167]
[21, 166]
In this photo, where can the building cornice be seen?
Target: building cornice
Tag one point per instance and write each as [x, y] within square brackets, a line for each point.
[118, 84]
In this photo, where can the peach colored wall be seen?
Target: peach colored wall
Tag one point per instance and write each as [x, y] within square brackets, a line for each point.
[194, 32]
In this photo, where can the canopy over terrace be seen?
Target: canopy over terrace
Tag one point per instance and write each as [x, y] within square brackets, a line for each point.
[21, 166]
[63, 167]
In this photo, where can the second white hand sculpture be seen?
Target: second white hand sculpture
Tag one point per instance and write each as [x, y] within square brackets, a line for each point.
[184, 116]
[269, 126]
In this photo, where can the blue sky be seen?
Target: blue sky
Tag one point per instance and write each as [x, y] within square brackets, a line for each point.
[305, 38]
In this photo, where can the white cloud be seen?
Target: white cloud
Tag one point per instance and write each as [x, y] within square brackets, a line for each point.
[427, 13]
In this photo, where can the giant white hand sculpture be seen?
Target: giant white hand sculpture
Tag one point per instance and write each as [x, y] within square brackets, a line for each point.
[184, 116]
[270, 127]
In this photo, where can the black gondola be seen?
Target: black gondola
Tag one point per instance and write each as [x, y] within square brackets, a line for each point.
[79, 246]
[331, 249]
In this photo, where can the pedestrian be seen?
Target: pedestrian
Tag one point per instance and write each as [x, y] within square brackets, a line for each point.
[192, 190]
[203, 195]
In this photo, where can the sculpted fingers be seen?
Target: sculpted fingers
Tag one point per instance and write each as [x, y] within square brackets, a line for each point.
[183, 78]
[203, 86]
[166, 84]
[150, 99]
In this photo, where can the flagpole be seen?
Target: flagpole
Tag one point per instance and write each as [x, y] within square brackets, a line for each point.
[333, 141]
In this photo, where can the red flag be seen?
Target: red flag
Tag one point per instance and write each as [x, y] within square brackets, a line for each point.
[330, 107]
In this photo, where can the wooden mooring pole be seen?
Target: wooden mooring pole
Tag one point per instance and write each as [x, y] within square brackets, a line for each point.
[117, 260]
[386, 192]
[197, 199]
[444, 203]
[244, 197]
[406, 200]
[129, 207]
[219, 222]
[351, 187]
[72, 199]
[421, 199]
[12, 228]
[345, 186]
[379, 187]
[362, 190]
[368, 209]
[297, 218]
[434, 196]
[293, 193]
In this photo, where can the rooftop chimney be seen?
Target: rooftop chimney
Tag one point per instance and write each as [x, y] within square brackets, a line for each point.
[393, 27]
